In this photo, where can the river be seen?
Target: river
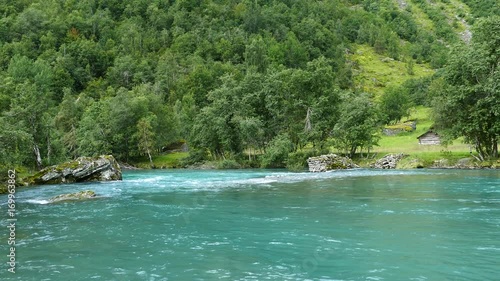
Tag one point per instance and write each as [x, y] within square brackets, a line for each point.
[262, 225]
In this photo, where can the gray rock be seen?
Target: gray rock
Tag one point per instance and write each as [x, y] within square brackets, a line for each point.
[50, 176]
[441, 164]
[82, 195]
[408, 126]
[329, 162]
[389, 161]
[465, 163]
[101, 168]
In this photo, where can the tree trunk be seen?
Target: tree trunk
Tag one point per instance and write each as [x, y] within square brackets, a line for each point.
[495, 149]
[307, 125]
[479, 149]
[49, 150]
[38, 157]
[126, 149]
[352, 152]
[150, 159]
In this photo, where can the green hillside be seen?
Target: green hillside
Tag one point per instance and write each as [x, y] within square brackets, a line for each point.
[374, 72]
[251, 80]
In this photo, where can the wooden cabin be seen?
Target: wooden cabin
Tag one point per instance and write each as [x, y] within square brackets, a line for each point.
[429, 138]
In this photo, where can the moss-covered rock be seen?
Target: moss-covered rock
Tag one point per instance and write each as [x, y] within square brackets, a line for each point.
[393, 130]
[330, 162]
[82, 195]
[101, 168]
[466, 163]
[389, 161]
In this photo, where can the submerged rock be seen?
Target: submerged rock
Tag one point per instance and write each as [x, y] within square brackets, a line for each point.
[101, 168]
[389, 161]
[329, 162]
[82, 195]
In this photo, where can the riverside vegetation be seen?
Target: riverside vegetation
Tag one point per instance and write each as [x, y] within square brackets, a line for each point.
[244, 83]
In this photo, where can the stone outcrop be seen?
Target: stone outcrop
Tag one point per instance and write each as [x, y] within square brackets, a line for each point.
[389, 161]
[82, 195]
[329, 162]
[101, 168]
[393, 130]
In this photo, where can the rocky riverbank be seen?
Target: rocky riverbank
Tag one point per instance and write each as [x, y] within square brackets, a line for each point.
[389, 161]
[101, 168]
[397, 161]
[329, 162]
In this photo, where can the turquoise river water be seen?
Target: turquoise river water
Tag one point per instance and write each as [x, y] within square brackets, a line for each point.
[262, 225]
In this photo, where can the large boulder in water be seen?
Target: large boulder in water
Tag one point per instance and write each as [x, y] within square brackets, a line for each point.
[77, 196]
[101, 168]
[329, 162]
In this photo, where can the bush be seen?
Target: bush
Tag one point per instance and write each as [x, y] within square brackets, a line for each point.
[228, 164]
[254, 163]
[297, 161]
[277, 152]
[3, 180]
[195, 157]
[395, 104]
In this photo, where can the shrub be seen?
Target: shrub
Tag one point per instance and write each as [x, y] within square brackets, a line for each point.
[195, 157]
[228, 164]
[277, 152]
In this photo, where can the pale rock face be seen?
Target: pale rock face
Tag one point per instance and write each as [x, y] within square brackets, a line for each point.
[101, 168]
[389, 161]
[329, 162]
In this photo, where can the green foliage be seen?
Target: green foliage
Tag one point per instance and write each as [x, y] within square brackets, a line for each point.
[145, 136]
[297, 161]
[228, 164]
[277, 151]
[395, 104]
[31, 107]
[126, 124]
[472, 92]
[417, 90]
[358, 125]
[168, 160]
[230, 77]
[377, 72]
[196, 156]
[215, 127]
[15, 144]
[484, 8]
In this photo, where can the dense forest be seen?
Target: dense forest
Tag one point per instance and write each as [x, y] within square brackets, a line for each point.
[253, 79]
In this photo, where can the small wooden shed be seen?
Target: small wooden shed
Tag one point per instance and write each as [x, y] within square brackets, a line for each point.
[429, 138]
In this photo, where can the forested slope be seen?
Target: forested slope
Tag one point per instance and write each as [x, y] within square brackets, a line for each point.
[230, 77]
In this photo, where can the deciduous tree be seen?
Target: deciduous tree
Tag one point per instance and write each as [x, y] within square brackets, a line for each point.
[358, 125]
[469, 103]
